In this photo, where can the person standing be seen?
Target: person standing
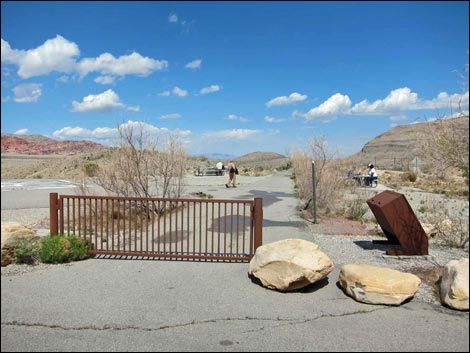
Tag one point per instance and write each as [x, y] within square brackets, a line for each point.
[232, 172]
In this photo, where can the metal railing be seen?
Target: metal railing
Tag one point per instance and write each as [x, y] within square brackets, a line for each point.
[197, 229]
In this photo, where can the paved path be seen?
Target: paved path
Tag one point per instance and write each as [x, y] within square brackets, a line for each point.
[148, 305]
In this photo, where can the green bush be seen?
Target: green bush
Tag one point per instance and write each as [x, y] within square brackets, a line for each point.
[27, 250]
[60, 248]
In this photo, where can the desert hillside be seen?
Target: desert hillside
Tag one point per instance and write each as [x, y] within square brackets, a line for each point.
[42, 145]
[262, 160]
[37, 156]
[397, 148]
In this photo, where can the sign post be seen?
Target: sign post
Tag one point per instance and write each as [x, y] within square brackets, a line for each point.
[314, 196]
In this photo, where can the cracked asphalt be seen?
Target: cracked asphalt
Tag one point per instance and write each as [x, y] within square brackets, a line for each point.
[152, 305]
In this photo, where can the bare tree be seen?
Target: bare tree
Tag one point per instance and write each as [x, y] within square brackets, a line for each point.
[444, 146]
[144, 165]
[445, 141]
[329, 174]
[170, 167]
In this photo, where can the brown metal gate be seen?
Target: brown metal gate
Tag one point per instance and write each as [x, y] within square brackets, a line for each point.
[196, 229]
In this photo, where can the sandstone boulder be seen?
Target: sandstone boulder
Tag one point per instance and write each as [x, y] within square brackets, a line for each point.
[290, 264]
[454, 284]
[10, 233]
[377, 285]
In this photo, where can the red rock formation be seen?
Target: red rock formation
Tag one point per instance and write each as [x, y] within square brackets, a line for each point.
[41, 145]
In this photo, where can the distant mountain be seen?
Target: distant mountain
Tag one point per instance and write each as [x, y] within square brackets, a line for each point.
[397, 148]
[219, 156]
[42, 145]
[265, 160]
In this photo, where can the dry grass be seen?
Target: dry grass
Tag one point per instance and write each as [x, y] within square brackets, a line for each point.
[455, 185]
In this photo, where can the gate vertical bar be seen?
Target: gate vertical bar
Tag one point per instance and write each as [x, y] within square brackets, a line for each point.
[53, 213]
[258, 214]
[61, 213]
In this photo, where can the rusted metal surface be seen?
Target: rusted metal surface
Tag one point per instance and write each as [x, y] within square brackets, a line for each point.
[198, 229]
[399, 223]
[53, 213]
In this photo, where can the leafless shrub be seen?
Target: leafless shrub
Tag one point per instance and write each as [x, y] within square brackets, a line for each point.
[444, 146]
[330, 175]
[144, 165]
[449, 226]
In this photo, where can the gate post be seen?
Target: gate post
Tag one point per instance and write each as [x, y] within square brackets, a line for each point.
[53, 213]
[258, 213]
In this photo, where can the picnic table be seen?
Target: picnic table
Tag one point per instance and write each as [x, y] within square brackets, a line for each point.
[208, 171]
[361, 180]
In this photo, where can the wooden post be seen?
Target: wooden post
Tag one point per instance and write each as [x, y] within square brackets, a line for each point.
[54, 213]
[258, 213]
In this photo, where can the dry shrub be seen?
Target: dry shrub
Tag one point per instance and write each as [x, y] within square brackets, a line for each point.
[444, 146]
[144, 165]
[330, 176]
[449, 226]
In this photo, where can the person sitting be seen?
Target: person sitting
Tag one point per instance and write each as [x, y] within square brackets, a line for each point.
[371, 175]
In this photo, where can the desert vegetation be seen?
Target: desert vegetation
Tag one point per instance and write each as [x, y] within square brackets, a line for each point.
[444, 172]
[58, 249]
[143, 165]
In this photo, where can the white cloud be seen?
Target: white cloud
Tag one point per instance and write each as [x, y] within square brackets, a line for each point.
[63, 79]
[398, 117]
[105, 102]
[235, 134]
[105, 80]
[21, 132]
[170, 116]
[209, 89]
[59, 54]
[403, 99]
[164, 94]
[195, 64]
[444, 100]
[172, 18]
[180, 92]
[328, 110]
[56, 54]
[284, 100]
[27, 93]
[133, 64]
[110, 136]
[8, 55]
[236, 117]
[398, 100]
[270, 119]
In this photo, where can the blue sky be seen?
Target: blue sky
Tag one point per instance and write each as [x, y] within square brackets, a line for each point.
[232, 77]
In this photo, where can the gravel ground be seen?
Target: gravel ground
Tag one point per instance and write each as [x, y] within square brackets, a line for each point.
[344, 249]
[35, 218]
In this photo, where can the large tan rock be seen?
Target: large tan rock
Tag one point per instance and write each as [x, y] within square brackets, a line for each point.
[377, 285]
[10, 232]
[290, 264]
[14, 229]
[454, 284]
